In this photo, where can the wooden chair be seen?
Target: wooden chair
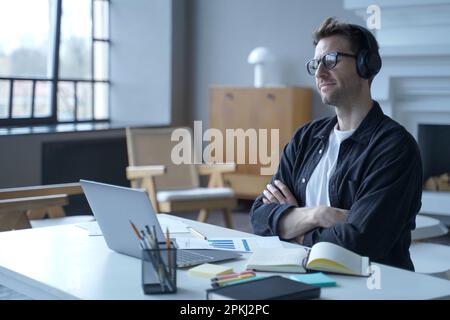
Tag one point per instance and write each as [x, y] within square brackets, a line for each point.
[26, 207]
[172, 187]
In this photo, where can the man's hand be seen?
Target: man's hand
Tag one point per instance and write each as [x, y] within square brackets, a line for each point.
[327, 217]
[278, 193]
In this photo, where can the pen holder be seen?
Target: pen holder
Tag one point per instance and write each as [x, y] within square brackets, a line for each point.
[159, 270]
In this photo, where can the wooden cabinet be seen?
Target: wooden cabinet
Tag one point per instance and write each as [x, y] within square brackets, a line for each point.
[284, 108]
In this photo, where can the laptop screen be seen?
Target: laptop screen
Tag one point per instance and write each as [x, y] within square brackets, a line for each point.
[114, 207]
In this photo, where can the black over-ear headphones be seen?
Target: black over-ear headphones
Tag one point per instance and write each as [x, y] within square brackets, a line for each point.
[368, 60]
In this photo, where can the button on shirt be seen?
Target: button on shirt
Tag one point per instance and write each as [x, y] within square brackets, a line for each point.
[377, 177]
[317, 187]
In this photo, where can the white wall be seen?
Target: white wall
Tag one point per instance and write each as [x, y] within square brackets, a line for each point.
[225, 31]
[141, 60]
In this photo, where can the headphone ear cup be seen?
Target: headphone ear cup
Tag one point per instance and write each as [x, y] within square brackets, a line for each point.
[374, 63]
[361, 64]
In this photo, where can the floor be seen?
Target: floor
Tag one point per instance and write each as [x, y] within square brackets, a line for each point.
[240, 221]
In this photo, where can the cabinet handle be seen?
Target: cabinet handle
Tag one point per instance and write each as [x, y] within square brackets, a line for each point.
[229, 96]
[270, 96]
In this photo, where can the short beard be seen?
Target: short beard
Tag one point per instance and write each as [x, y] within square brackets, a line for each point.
[333, 100]
[339, 98]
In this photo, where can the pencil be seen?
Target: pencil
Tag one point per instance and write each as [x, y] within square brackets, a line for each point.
[232, 275]
[168, 250]
[135, 230]
[197, 234]
[230, 280]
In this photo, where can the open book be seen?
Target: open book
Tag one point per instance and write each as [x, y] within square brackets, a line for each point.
[323, 256]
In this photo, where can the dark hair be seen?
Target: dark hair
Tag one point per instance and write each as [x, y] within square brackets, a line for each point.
[357, 38]
[331, 27]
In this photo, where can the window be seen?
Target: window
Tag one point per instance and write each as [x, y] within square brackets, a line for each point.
[54, 61]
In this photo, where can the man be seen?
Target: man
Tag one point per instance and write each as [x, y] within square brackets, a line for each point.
[354, 179]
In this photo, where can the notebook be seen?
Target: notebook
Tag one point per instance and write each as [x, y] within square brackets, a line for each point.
[323, 256]
[267, 288]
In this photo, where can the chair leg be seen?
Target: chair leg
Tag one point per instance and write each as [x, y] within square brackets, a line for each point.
[203, 215]
[13, 221]
[56, 212]
[228, 218]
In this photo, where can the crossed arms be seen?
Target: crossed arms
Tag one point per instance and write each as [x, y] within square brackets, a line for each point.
[298, 221]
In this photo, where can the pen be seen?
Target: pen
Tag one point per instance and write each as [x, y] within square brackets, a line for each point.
[197, 234]
[217, 285]
[146, 241]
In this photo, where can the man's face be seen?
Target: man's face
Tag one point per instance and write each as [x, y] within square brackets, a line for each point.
[340, 85]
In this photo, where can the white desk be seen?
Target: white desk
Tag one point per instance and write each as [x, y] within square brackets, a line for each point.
[437, 205]
[427, 227]
[63, 262]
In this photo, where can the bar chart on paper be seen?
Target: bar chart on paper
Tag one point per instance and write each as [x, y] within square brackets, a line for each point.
[233, 244]
[230, 244]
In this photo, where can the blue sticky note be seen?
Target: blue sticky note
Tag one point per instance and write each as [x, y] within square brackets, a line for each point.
[318, 279]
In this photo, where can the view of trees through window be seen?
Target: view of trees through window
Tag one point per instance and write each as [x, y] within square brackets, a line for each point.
[54, 59]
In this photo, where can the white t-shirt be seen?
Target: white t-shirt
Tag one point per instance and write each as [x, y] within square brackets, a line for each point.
[317, 187]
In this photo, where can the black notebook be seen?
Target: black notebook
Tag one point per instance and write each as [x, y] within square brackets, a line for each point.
[268, 288]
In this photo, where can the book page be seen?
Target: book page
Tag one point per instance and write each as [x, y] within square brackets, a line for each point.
[278, 260]
[326, 256]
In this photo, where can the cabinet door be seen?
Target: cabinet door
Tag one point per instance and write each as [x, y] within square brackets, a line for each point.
[229, 110]
[271, 109]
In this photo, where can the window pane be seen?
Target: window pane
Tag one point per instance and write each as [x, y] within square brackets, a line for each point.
[100, 60]
[101, 18]
[22, 93]
[42, 99]
[101, 101]
[66, 101]
[84, 96]
[76, 38]
[24, 38]
[4, 99]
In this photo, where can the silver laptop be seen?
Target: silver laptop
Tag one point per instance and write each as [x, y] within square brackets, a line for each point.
[114, 207]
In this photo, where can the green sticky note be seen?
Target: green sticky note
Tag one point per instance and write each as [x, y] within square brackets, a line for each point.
[318, 279]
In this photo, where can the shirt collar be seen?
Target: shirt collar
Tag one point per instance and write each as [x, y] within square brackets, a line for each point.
[363, 133]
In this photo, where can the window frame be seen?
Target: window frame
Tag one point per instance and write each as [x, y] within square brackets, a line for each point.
[55, 78]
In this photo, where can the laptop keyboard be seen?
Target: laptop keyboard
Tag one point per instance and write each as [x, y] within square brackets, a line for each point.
[188, 258]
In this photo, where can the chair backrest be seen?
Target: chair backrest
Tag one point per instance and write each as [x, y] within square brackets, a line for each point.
[153, 146]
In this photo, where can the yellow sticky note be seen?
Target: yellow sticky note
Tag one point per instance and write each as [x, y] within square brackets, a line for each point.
[209, 270]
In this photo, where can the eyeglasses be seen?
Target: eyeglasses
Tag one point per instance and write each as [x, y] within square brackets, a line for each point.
[329, 61]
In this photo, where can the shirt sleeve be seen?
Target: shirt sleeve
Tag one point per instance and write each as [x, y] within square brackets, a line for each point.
[387, 202]
[264, 217]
